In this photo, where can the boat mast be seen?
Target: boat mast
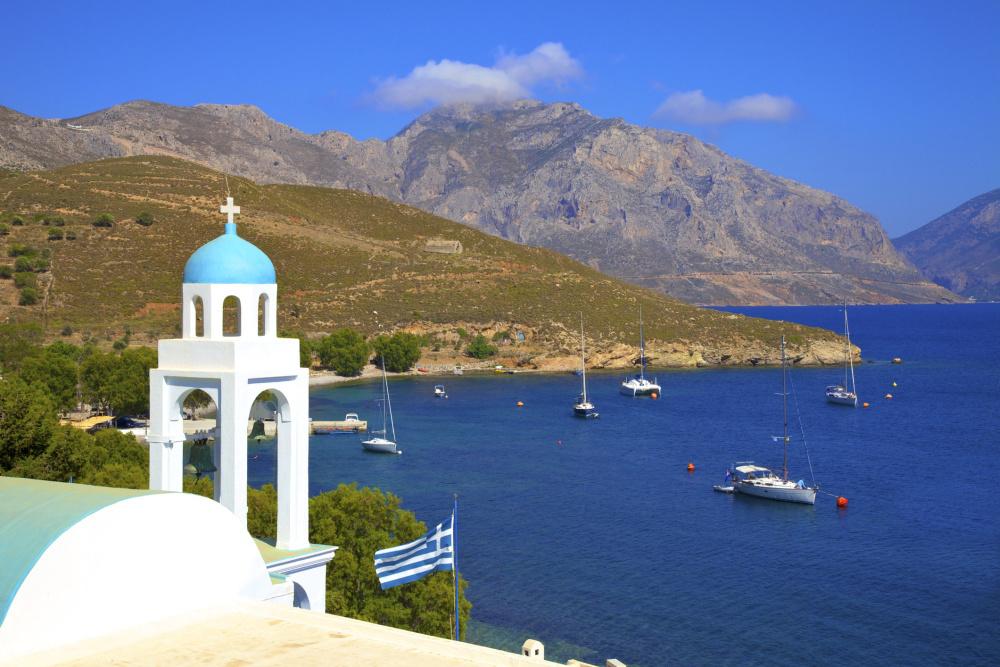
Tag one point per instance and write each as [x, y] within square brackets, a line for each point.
[388, 403]
[642, 347]
[583, 358]
[784, 402]
[850, 357]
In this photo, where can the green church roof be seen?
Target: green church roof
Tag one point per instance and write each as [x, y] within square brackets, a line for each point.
[33, 514]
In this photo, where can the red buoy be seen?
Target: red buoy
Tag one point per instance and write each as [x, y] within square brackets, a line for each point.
[654, 396]
[864, 405]
[841, 501]
[690, 467]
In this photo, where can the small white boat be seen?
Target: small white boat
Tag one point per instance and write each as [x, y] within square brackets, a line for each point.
[379, 443]
[724, 488]
[753, 480]
[583, 407]
[839, 394]
[639, 385]
[439, 391]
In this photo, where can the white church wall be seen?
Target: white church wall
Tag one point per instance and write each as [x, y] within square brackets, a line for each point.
[133, 562]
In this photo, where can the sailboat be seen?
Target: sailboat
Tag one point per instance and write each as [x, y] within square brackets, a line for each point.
[638, 385]
[379, 443]
[754, 480]
[583, 407]
[838, 393]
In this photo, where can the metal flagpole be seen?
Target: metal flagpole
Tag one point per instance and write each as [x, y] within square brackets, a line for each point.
[454, 560]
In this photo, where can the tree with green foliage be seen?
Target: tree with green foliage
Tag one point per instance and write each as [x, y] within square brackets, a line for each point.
[27, 418]
[118, 383]
[108, 458]
[17, 221]
[344, 350]
[6, 271]
[4, 230]
[361, 521]
[480, 348]
[17, 343]
[23, 264]
[21, 250]
[145, 219]
[56, 370]
[400, 351]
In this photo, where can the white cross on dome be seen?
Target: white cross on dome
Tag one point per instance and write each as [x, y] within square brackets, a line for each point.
[229, 209]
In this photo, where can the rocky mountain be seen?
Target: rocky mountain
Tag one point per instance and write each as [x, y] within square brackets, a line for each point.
[656, 208]
[961, 249]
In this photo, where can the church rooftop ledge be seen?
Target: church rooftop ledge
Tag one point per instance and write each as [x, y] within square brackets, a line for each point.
[272, 555]
[262, 356]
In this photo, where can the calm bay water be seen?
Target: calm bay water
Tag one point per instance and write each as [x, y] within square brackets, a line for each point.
[592, 537]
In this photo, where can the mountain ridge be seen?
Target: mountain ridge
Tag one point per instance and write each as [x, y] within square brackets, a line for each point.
[960, 250]
[655, 207]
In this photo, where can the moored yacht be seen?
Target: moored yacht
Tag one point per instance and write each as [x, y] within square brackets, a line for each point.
[583, 407]
[753, 480]
[839, 394]
[379, 443]
[640, 385]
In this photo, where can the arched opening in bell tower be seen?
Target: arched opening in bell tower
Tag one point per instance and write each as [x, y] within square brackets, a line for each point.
[231, 316]
[199, 414]
[265, 436]
[262, 304]
[199, 317]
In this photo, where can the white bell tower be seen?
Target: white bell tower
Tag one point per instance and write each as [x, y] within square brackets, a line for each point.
[233, 361]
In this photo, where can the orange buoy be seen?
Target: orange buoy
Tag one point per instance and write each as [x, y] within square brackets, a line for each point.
[888, 396]
[520, 404]
[690, 467]
[654, 396]
[841, 501]
[865, 404]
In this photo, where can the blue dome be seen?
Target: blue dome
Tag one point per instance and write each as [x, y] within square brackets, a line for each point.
[229, 259]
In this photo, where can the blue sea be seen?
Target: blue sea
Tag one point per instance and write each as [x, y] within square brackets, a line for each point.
[593, 537]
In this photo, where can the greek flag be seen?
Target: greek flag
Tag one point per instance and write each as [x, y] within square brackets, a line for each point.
[409, 562]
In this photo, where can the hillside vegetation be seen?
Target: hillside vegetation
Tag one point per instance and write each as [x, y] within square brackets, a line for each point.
[343, 259]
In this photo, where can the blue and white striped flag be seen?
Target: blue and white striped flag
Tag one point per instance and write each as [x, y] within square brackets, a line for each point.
[409, 562]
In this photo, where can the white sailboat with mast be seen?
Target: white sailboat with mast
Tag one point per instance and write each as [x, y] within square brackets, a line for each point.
[583, 407]
[839, 394]
[639, 385]
[380, 443]
[754, 480]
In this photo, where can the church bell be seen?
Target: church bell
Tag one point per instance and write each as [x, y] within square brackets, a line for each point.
[200, 458]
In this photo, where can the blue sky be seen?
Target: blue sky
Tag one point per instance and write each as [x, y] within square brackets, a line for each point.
[894, 106]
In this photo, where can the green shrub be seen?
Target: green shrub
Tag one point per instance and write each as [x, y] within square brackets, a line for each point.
[57, 221]
[6, 271]
[104, 220]
[55, 235]
[17, 221]
[70, 236]
[21, 250]
[29, 296]
[480, 348]
[25, 279]
[4, 230]
[145, 219]
[66, 331]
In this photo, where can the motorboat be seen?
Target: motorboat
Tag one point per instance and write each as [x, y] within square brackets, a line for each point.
[439, 391]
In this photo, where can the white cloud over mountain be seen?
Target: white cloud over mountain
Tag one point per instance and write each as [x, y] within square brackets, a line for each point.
[693, 108]
[451, 81]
